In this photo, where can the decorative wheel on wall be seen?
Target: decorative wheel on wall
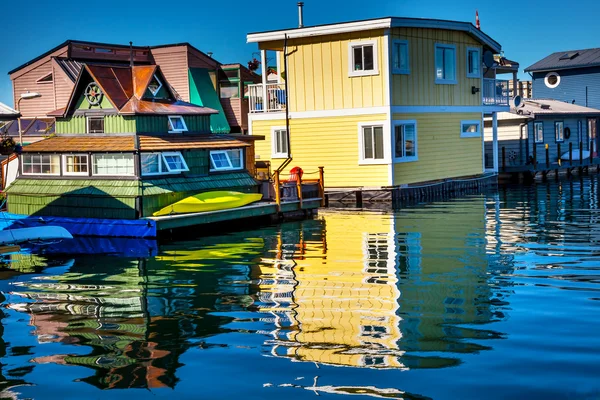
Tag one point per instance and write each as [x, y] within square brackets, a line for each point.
[93, 94]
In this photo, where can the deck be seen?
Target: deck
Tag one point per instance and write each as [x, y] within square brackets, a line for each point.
[263, 209]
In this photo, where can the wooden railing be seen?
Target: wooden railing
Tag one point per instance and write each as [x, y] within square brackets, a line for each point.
[271, 99]
[299, 182]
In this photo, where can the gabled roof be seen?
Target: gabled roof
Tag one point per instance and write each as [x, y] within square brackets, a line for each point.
[378, 23]
[7, 113]
[124, 87]
[567, 59]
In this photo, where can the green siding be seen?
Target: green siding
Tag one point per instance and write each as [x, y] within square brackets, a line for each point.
[82, 104]
[88, 187]
[203, 93]
[160, 124]
[74, 124]
[112, 124]
[197, 161]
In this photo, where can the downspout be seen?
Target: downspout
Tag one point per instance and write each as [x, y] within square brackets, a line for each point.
[288, 160]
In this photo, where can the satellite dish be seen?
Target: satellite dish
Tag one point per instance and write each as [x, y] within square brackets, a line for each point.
[488, 59]
[516, 102]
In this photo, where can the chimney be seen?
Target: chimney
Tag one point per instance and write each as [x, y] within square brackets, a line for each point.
[300, 14]
[131, 54]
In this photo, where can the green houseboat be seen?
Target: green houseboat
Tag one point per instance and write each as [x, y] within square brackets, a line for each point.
[125, 146]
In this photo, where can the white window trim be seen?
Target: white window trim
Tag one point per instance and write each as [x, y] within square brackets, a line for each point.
[375, 70]
[174, 153]
[556, 132]
[87, 123]
[471, 75]
[160, 171]
[230, 168]
[102, 154]
[33, 173]
[400, 71]
[393, 132]
[160, 85]
[64, 164]
[361, 148]
[273, 153]
[171, 130]
[535, 139]
[445, 81]
[470, 134]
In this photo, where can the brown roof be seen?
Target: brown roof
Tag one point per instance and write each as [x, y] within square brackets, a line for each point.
[83, 143]
[182, 142]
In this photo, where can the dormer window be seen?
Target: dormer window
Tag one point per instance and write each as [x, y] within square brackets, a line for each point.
[177, 124]
[95, 124]
[154, 85]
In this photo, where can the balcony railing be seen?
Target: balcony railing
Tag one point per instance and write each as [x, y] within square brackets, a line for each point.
[495, 92]
[274, 100]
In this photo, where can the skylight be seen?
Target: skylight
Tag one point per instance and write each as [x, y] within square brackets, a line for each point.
[569, 56]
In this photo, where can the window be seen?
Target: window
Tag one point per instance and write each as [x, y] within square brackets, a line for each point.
[48, 78]
[152, 164]
[405, 141]
[473, 63]
[469, 129]
[174, 162]
[538, 132]
[95, 124]
[113, 164]
[400, 57]
[75, 164]
[552, 80]
[559, 131]
[154, 85]
[177, 124]
[362, 58]
[47, 164]
[372, 146]
[445, 64]
[279, 142]
[226, 160]
[230, 90]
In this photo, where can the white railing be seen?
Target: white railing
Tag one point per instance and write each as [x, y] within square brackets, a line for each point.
[495, 92]
[273, 101]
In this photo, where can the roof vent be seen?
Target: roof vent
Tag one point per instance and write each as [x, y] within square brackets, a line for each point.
[569, 56]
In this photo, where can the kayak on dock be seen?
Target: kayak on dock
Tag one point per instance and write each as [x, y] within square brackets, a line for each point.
[209, 201]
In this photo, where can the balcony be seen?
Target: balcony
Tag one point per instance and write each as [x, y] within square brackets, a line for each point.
[495, 92]
[270, 100]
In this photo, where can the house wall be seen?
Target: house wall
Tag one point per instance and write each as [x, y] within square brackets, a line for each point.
[509, 137]
[319, 74]
[442, 153]
[236, 111]
[550, 138]
[419, 87]
[159, 124]
[131, 124]
[330, 142]
[173, 62]
[63, 86]
[580, 84]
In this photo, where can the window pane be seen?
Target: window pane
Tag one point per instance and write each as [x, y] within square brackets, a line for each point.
[284, 141]
[113, 164]
[96, 124]
[470, 128]
[410, 141]
[368, 142]
[559, 130]
[368, 55]
[378, 140]
[177, 124]
[41, 164]
[449, 67]
[398, 142]
[396, 56]
[150, 164]
[473, 59]
[439, 62]
[154, 85]
[174, 162]
[358, 58]
[76, 164]
[403, 56]
[235, 157]
[281, 142]
[229, 90]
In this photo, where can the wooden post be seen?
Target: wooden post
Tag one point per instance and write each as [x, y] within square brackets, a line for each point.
[580, 153]
[534, 156]
[570, 154]
[322, 186]
[547, 156]
[503, 158]
[299, 188]
[359, 199]
[277, 192]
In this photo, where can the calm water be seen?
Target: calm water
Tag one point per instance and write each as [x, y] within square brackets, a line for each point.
[492, 296]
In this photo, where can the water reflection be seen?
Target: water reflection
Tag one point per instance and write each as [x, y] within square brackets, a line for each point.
[424, 288]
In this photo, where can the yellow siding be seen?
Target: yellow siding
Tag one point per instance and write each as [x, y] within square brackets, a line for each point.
[442, 152]
[419, 88]
[318, 73]
[330, 142]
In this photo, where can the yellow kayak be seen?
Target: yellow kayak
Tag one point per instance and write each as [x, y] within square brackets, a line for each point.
[209, 201]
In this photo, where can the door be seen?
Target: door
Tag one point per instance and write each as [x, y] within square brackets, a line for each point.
[592, 135]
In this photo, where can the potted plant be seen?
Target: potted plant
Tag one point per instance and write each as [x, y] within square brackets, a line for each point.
[7, 145]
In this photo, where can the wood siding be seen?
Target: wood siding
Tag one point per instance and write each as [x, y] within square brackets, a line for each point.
[550, 139]
[159, 124]
[173, 62]
[330, 142]
[419, 87]
[441, 151]
[580, 85]
[236, 111]
[319, 76]
[112, 124]
[63, 86]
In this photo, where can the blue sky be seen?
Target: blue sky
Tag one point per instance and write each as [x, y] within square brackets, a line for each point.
[527, 30]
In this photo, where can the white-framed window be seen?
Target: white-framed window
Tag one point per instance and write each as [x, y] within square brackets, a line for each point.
[405, 141]
[445, 63]
[473, 62]
[154, 85]
[174, 162]
[372, 143]
[109, 164]
[559, 131]
[95, 124]
[400, 58]
[470, 129]
[75, 164]
[552, 80]
[226, 160]
[362, 58]
[279, 142]
[177, 124]
[40, 164]
[538, 132]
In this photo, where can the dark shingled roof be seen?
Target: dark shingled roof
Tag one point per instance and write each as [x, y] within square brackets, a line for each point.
[567, 60]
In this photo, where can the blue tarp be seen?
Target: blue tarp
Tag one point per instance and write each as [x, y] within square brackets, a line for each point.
[140, 228]
[80, 245]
